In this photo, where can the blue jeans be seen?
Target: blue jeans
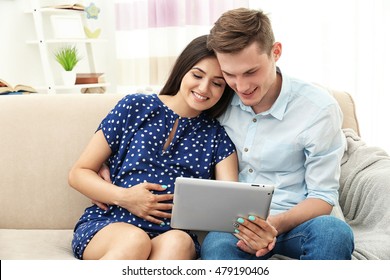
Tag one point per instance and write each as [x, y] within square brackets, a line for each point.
[321, 238]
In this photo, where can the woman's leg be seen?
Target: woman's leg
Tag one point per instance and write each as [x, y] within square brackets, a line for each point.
[173, 245]
[119, 241]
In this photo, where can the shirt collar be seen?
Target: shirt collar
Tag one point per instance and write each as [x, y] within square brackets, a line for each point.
[279, 107]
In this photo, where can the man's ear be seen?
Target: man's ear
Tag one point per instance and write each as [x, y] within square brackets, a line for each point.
[277, 50]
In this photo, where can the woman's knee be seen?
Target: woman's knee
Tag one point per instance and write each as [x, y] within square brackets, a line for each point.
[137, 246]
[122, 241]
[173, 244]
[177, 239]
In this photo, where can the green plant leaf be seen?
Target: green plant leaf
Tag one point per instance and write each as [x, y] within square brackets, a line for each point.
[67, 57]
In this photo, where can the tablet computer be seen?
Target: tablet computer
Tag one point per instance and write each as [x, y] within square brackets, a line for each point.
[212, 205]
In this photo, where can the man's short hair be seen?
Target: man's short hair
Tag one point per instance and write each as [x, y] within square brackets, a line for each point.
[238, 28]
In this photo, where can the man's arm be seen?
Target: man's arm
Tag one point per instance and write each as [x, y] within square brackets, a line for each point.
[304, 211]
[104, 172]
[324, 146]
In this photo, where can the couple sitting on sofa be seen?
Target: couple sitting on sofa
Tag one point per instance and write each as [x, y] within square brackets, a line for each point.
[262, 128]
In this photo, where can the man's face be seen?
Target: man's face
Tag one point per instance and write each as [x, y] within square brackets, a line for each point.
[252, 75]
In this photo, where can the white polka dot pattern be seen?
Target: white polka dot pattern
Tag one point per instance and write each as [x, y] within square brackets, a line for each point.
[136, 131]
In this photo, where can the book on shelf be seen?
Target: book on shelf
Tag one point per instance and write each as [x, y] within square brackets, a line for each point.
[76, 7]
[90, 78]
[6, 88]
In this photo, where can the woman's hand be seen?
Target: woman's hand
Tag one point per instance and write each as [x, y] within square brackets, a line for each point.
[142, 202]
[256, 235]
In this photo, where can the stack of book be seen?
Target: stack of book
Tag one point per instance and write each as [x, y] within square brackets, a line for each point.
[90, 78]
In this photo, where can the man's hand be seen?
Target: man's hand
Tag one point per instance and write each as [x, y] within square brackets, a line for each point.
[256, 235]
[104, 173]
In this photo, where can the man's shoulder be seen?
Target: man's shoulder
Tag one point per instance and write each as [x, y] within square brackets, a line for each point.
[313, 93]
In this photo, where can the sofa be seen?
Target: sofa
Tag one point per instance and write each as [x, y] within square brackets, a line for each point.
[41, 136]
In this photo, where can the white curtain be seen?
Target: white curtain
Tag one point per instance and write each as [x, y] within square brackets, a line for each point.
[342, 44]
[151, 33]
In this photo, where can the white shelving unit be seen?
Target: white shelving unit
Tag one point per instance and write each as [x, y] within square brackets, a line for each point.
[46, 41]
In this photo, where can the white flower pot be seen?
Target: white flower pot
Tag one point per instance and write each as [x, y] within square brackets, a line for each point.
[69, 78]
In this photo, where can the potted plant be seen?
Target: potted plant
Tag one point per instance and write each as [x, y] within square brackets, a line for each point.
[68, 57]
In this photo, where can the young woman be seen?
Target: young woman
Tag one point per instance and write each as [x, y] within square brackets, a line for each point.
[148, 141]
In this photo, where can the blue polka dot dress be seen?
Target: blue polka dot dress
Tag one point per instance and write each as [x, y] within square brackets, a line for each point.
[136, 131]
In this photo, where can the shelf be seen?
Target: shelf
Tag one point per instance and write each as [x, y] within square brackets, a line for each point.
[51, 30]
[56, 10]
[79, 86]
[61, 87]
[75, 40]
[52, 10]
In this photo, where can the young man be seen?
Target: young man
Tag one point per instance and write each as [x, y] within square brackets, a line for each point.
[288, 133]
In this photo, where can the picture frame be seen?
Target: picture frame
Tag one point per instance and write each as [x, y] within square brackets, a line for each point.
[67, 27]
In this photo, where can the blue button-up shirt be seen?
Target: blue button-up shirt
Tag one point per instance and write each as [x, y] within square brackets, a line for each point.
[297, 144]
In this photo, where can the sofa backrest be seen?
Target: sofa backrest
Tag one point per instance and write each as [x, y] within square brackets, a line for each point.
[41, 136]
[347, 106]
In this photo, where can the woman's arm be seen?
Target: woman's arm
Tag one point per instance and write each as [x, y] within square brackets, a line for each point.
[227, 169]
[83, 176]
[137, 199]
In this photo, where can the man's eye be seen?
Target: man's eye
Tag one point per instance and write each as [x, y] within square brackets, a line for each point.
[250, 73]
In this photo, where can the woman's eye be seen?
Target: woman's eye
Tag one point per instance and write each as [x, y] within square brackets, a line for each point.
[196, 76]
[217, 84]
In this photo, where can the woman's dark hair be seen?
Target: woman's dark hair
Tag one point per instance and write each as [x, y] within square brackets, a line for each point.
[195, 51]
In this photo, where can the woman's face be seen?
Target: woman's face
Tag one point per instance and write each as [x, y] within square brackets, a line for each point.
[202, 86]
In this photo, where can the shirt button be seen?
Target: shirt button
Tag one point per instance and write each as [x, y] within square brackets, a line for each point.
[245, 149]
[250, 170]
[254, 120]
